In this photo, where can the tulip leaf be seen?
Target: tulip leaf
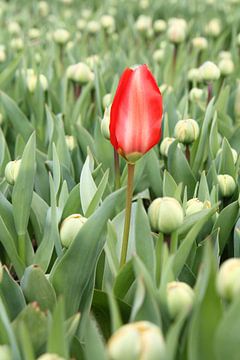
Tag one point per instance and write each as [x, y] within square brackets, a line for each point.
[88, 187]
[226, 165]
[9, 71]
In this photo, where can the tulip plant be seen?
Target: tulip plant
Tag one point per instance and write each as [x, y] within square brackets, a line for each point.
[119, 183]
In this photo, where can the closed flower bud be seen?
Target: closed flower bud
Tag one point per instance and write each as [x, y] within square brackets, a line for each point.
[14, 28]
[196, 94]
[194, 75]
[158, 55]
[159, 26]
[165, 88]
[61, 36]
[93, 27]
[224, 55]
[228, 279]
[176, 34]
[70, 141]
[70, 228]
[105, 123]
[106, 101]
[17, 44]
[92, 60]
[49, 356]
[1, 119]
[209, 71]
[81, 24]
[159, 211]
[80, 73]
[108, 23]
[12, 170]
[195, 205]
[139, 340]
[213, 28]
[186, 131]
[43, 8]
[143, 23]
[200, 43]
[32, 80]
[180, 298]
[164, 147]
[5, 352]
[226, 66]
[227, 185]
[2, 55]
[86, 13]
[34, 33]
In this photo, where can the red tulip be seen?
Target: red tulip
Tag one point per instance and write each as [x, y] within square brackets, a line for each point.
[136, 114]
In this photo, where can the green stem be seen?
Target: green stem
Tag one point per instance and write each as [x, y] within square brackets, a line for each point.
[127, 214]
[158, 252]
[187, 153]
[22, 247]
[117, 170]
[173, 242]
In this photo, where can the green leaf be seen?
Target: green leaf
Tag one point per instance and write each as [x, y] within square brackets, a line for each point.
[94, 346]
[98, 195]
[227, 164]
[16, 116]
[9, 71]
[144, 240]
[36, 287]
[88, 187]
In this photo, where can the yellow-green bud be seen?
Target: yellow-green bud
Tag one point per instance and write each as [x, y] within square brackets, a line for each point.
[49, 356]
[165, 88]
[3, 55]
[86, 13]
[34, 33]
[176, 34]
[81, 24]
[70, 228]
[159, 26]
[12, 170]
[159, 217]
[107, 100]
[70, 141]
[5, 352]
[200, 43]
[14, 28]
[195, 205]
[213, 28]
[32, 80]
[139, 340]
[143, 23]
[209, 71]
[228, 279]
[158, 55]
[80, 73]
[43, 8]
[61, 36]
[105, 122]
[1, 119]
[196, 94]
[226, 66]
[17, 44]
[92, 61]
[224, 55]
[164, 147]
[194, 75]
[227, 185]
[108, 23]
[93, 27]
[186, 131]
[180, 298]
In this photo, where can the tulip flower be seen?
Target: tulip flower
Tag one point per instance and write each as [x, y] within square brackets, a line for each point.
[135, 126]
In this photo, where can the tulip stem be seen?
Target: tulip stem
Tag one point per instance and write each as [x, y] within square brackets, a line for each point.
[127, 214]
[117, 170]
[187, 153]
[158, 252]
[210, 92]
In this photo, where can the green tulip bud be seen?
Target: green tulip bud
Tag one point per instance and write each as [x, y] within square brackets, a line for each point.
[159, 26]
[200, 43]
[226, 67]
[159, 214]
[213, 28]
[80, 73]
[70, 141]
[61, 36]
[5, 352]
[195, 205]
[209, 71]
[12, 170]
[70, 228]
[139, 340]
[164, 147]
[228, 279]
[227, 185]
[49, 356]
[105, 123]
[180, 298]
[196, 94]
[194, 75]
[158, 55]
[186, 131]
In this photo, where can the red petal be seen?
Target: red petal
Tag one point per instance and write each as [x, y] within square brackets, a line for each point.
[136, 112]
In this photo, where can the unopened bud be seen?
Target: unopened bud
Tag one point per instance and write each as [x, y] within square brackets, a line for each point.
[5, 352]
[213, 28]
[209, 71]
[143, 23]
[228, 279]
[61, 36]
[195, 205]
[200, 43]
[194, 75]
[159, 211]
[159, 26]
[186, 131]
[80, 73]
[226, 66]
[105, 123]
[180, 298]
[70, 141]
[49, 356]
[12, 170]
[164, 147]
[158, 55]
[139, 340]
[107, 100]
[70, 228]
[227, 185]
[196, 94]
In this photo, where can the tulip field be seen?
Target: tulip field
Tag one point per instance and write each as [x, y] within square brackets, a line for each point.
[119, 180]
